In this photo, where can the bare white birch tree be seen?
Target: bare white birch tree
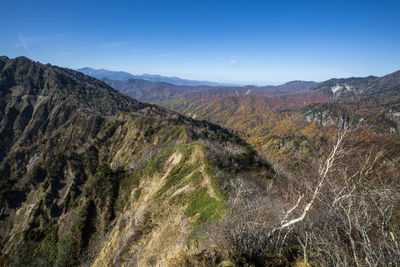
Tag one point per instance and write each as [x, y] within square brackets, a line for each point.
[345, 218]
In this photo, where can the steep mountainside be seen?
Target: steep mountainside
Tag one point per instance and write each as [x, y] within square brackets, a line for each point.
[369, 93]
[90, 176]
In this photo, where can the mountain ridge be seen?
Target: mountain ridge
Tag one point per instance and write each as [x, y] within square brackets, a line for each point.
[89, 176]
[84, 167]
[152, 92]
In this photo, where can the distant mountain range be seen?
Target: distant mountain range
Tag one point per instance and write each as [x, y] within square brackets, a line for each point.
[121, 76]
[92, 177]
[367, 94]
[148, 91]
[377, 98]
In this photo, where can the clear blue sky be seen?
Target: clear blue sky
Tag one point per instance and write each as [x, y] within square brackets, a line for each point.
[263, 42]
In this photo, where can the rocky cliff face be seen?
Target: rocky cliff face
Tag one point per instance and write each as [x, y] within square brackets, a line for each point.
[367, 94]
[89, 176]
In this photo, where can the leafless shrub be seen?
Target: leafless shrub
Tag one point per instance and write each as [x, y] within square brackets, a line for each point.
[245, 229]
[341, 213]
[351, 220]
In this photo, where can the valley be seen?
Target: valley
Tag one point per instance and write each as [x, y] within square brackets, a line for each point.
[93, 177]
[200, 133]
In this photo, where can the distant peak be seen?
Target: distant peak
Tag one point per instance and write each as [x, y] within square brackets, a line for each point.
[22, 58]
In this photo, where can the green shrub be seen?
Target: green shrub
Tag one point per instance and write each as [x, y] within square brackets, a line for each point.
[67, 251]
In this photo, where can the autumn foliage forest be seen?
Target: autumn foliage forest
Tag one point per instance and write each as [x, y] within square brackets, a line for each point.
[336, 196]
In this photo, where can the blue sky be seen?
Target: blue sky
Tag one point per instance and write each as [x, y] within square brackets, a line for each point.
[253, 42]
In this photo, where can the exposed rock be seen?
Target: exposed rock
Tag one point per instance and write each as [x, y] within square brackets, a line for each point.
[90, 176]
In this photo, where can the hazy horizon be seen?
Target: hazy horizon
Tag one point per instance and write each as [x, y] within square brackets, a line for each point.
[235, 42]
